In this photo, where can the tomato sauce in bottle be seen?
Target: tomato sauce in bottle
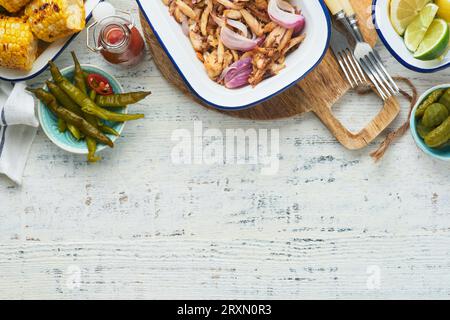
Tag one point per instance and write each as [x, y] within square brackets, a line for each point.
[118, 41]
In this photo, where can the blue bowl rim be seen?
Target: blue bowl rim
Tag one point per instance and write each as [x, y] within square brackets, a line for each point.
[394, 54]
[417, 139]
[253, 104]
[58, 143]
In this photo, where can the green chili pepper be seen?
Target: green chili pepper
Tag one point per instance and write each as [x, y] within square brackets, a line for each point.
[92, 95]
[80, 83]
[63, 98]
[74, 131]
[106, 129]
[92, 148]
[86, 104]
[90, 142]
[65, 101]
[439, 136]
[78, 77]
[121, 100]
[103, 127]
[62, 125]
[432, 98]
[50, 101]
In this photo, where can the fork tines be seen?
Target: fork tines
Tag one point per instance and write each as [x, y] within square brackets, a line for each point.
[351, 68]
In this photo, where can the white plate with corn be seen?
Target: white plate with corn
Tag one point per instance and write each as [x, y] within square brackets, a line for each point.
[33, 32]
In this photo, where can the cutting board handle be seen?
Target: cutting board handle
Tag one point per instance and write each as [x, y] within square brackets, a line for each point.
[355, 141]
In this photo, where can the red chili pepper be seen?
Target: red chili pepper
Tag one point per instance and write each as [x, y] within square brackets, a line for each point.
[100, 84]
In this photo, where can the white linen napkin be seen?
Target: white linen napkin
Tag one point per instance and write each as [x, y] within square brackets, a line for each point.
[18, 127]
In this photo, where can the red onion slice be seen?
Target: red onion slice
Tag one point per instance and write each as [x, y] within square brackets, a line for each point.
[243, 63]
[239, 80]
[237, 74]
[235, 41]
[238, 25]
[286, 6]
[285, 19]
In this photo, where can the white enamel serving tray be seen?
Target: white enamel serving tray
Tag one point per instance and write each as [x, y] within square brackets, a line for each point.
[394, 43]
[298, 64]
[51, 53]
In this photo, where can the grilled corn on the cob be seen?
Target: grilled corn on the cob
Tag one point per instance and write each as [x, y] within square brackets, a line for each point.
[18, 45]
[54, 19]
[13, 5]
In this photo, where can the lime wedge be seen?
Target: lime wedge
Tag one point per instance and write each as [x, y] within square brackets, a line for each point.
[435, 42]
[418, 28]
[403, 12]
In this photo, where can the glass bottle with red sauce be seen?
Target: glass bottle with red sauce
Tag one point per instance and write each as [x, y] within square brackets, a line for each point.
[117, 40]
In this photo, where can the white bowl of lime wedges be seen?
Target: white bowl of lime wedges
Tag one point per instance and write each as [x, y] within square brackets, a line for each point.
[416, 32]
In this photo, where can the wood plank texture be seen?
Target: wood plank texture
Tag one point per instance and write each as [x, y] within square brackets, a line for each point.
[245, 269]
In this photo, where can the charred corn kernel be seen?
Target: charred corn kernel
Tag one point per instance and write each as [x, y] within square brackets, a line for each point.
[18, 45]
[54, 19]
[13, 5]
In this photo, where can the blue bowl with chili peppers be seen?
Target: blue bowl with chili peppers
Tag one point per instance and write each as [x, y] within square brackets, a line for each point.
[65, 140]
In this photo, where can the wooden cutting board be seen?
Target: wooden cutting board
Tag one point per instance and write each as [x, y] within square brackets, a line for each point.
[322, 88]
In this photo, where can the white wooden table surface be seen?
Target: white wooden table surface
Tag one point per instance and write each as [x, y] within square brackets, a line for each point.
[329, 224]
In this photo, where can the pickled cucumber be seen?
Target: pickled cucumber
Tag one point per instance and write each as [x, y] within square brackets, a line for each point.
[434, 115]
[432, 98]
[445, 99]
[422, 130]
[439, 136]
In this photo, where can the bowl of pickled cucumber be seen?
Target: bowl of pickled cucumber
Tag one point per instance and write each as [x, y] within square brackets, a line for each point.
[430, 122]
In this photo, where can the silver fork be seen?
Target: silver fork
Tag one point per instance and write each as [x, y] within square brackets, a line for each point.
[366, 56]
[344, 55]
[339, 41]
